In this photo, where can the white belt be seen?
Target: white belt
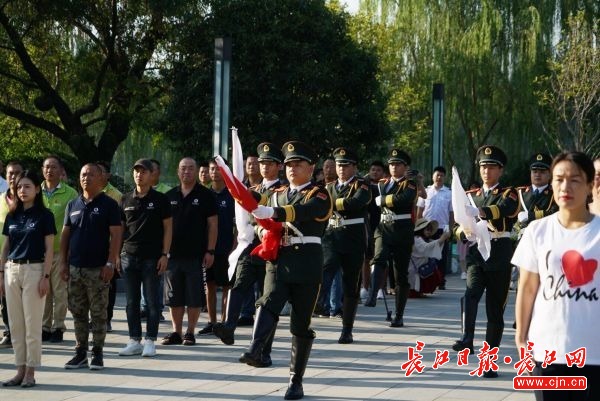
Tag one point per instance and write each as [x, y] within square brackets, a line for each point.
[289, 240]
[335, 223]
[499, 234]
[390, 217]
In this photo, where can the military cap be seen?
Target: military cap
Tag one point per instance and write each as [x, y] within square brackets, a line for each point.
[269, 152]
[540, 161]
[399, 156]
[343, 155]
[296, 150]
[144, 163]
[490, 154]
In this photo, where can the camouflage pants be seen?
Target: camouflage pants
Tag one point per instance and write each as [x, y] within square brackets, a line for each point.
[88, 298]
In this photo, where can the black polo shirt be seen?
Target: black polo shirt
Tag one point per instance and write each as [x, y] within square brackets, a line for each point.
[90, 223]
[26, 231]
[143, 218]
[190, 215]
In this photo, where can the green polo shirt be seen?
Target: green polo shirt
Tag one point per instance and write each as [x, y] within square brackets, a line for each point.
[57, 202]
[113, 192]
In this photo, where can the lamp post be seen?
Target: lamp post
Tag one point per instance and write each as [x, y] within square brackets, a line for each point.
[437, 134]
[222, 87]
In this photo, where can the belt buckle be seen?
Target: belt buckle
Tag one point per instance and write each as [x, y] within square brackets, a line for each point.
[286, 240]
[387, 218]
[334, 222]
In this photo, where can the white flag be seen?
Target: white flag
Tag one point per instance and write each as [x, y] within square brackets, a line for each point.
[478, 229]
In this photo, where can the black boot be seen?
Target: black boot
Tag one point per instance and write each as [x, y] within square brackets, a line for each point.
[376, 280]
[468, 316]
[225, 331]
[266, 353]
[401, 297]
[300, 352]
[348, 316]
[263, 326]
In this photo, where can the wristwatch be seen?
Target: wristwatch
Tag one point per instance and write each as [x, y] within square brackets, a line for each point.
[110, 265]
[210, 251]
[167, 254]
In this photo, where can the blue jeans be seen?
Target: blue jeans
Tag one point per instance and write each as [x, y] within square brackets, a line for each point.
[336, 293]
[160, 295]
[138, 271]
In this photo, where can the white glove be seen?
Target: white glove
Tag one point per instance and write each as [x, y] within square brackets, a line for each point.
[263, 212]
[471, 211]
[523, 216]
[378, 200]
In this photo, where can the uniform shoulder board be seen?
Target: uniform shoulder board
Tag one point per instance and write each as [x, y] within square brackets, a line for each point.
[510, 193]
[523, 188]
[473, 191]
[255, 187]
[383, 180]
[281, 188]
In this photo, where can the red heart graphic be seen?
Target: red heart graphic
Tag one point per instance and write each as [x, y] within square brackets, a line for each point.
[578, 271]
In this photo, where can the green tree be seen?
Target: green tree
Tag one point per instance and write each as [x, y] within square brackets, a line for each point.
[83, 70]
[570, 93]
[296, 74]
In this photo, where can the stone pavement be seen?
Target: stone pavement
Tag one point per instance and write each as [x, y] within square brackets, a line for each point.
[369, 369]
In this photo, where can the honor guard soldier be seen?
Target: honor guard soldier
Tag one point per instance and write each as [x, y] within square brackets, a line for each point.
[394, 235]
[499, 207]
[537, 200]
[345, 241]
[251, 269]
[304, 209]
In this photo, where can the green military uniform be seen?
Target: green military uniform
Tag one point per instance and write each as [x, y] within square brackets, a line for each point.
[55, 309]
[250, 269]
[538, 203]
[345, 240]
[394, 235]
[499, 207]
[296, 274]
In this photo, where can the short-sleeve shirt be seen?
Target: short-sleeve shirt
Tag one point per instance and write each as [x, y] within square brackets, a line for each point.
[226, 212]
[143, 218]
[565, 312]
[90, 223]
[27, 230]
[190, 214]
[438, 204]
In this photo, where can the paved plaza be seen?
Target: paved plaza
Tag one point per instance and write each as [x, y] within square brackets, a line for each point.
[369, 369]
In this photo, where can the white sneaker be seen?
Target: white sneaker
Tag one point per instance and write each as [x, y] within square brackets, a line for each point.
[133, 347]
[149, 348]
[380, 294]
[463, 275]
[364, 293]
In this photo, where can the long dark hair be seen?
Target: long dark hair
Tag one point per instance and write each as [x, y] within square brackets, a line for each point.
[38, 201]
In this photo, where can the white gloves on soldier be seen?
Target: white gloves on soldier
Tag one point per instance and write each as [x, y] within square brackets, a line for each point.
[471, 211]
[378, 200]
[263, 212]
[523, 216]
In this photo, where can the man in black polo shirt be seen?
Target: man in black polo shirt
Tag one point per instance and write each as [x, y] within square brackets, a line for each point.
[194, 238]
[89, 246]
[146, 215]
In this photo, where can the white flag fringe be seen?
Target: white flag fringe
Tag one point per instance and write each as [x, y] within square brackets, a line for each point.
[245, 231]
[478, 229]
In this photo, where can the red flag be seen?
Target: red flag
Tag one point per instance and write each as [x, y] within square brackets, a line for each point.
[271, 239]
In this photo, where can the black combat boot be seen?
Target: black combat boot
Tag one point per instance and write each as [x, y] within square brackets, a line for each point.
[401, 297]
[300, 352]
[468, 316]
[225, 331]
[348, 315]
[266, 353]
[263, 327]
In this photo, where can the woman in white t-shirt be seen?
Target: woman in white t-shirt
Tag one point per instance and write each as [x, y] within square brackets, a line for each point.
[558, 306]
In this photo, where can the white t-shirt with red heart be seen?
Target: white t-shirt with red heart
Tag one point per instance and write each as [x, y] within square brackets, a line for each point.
[566, 312]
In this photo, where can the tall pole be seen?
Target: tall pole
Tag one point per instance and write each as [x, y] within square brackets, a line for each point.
[437, 134]
[222, 88]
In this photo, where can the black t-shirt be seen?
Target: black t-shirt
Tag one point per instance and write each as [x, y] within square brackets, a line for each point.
[90, 224]
[143, 219]
[190, 214]
[26, 231]
[226, 211]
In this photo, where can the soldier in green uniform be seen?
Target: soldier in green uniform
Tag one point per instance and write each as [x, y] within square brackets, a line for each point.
[345, 240]
[295, 276]
[394, 235]
[499, 206]
[538, 198]
[251, 269]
